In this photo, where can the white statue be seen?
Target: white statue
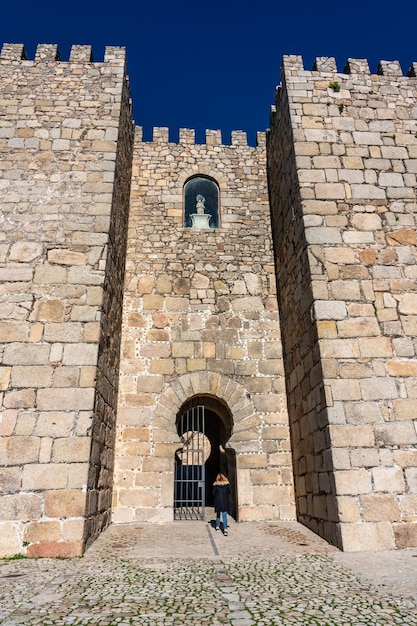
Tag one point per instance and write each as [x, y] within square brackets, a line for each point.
[200, 204]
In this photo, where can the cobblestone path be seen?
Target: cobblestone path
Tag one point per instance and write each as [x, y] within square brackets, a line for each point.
[298, 582]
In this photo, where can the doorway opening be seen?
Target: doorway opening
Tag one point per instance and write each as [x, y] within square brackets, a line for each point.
[204, 425]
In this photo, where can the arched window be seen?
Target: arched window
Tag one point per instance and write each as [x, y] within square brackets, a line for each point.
[201, 203]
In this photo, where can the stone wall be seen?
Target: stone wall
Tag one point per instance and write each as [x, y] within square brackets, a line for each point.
[115, 320]
[200, 322]
[344, 206]
[64, 185]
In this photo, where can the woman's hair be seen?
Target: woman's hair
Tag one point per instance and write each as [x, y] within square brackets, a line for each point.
[221, 478]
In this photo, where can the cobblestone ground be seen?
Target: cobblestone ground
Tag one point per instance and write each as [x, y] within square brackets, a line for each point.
[293, 579]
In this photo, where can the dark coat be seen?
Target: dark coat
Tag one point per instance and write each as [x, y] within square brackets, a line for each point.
[221, 494]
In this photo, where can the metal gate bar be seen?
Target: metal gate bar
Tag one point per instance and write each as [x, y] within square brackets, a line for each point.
[189, 482]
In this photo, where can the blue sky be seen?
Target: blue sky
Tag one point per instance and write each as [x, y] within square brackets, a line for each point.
[215, 65]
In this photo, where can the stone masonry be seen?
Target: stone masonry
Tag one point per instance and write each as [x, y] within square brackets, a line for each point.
[66, 140]
[342, 172]
[200, 321]
[117, 318]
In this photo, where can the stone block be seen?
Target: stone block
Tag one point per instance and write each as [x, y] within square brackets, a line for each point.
[19, 450]
[162, 366]
[10, 479]
[8, 421]
[80, 354]
[330, 310]
[139, 497]
[395, 433]
[345, 389]
[367, 537]
[251, 461]
[26, 354]
[153, 302]
[72, 530]
[45, 476]
[349, 510]
[270, 494]
[65, 503]
[49, 311]
[35, 375]
[362, 412]
[20, 507]
[378, 389]
[42, 531]
[71, 450]
[348, 436]
[10, 541]
[339, 348]
[65, 399]
[379, 507]
[408, 507]
[24, 399]
[411, 479]
[375, 347]
[402, 368]
[405, 535]
[68, 332]
[359, 327]
[56, 549]
[408, 304]
[66, 257]
[265, 403]
[5, 373]
[404, 409]
[352, 482]
[150, 384]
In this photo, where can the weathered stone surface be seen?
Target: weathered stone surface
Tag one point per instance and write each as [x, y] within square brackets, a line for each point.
[116, 320]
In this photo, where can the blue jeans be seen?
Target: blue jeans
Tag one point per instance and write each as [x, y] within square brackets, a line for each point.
[224, 515]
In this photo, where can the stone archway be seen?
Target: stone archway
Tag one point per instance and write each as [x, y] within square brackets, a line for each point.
[145, 463]
[246, 422]
[239, 430]
[205, 425]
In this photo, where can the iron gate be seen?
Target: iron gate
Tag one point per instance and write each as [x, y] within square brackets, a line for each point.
[189, 482]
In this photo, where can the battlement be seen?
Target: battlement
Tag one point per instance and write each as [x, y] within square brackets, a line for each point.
[213, 137]
[12, 52]
[327, 65]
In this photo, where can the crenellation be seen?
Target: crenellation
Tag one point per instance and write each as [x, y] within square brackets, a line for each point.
[47, 52]
[81, 54]
[293, 63]
[138, 133]
[187, 136]
[325, 64]
[357, 67]
[390, 68]
[160, 134]
[13, 52]
[115, 55]
[213, 137]
[261, 139]
[238, 138]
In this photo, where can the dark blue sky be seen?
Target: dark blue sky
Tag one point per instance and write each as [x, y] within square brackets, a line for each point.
[215, 65]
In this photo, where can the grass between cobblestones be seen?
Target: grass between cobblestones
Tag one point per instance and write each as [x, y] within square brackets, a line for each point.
[302, 589]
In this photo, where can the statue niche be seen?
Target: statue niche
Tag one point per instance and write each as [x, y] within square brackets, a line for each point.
[201, 203]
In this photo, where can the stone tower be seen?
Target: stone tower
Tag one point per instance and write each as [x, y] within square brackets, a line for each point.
[138, 287]
[66, 140]
[201, 327]
[342, 166]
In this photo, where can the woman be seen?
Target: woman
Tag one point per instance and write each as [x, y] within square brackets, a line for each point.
[221, 494]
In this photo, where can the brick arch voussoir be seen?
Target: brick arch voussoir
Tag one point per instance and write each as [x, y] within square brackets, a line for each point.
[228, 391]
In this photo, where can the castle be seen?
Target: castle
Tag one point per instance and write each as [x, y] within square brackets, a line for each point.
[172, 309]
